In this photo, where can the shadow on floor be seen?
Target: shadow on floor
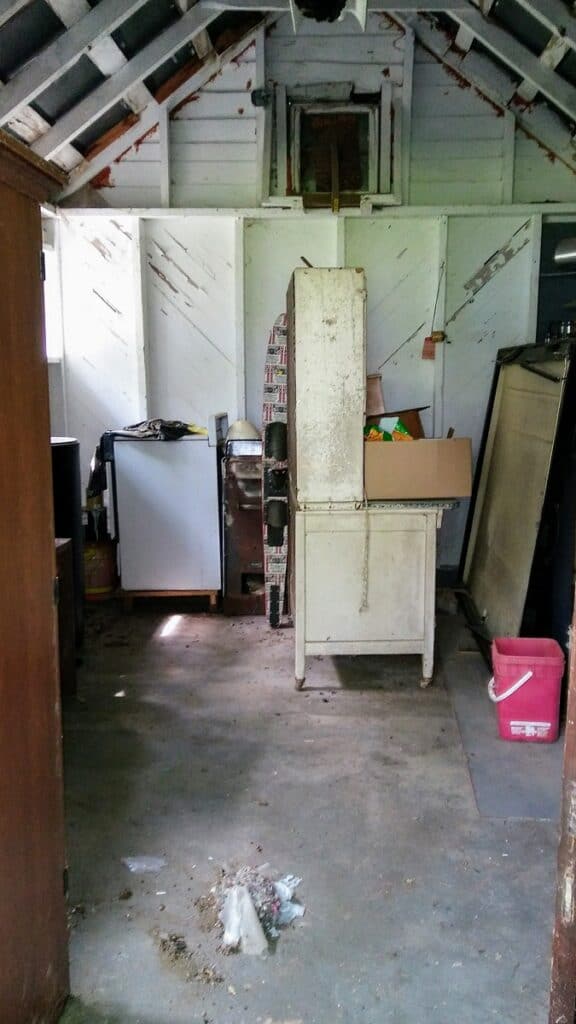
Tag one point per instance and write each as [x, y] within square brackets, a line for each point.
[510, 780]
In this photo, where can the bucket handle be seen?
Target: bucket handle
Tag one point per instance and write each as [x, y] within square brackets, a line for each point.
[507, 693]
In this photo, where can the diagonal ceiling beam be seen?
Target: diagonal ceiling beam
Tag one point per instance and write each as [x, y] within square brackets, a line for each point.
[149, 117]
[519, 59]
[142, 64]
[105, 53]
[498, 88]
[556, 17]
[58, 56]
[394, 6]
[552, 55]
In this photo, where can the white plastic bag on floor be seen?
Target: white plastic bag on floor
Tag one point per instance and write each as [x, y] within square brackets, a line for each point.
[242, 929]
[285, 889]
[142, 865]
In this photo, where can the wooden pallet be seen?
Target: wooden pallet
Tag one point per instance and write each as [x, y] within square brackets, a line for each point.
[129, 595]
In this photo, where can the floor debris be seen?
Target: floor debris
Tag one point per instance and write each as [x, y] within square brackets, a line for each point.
[249, 908]
[177, 953]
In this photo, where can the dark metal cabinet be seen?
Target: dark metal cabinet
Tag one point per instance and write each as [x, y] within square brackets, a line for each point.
[242, 530]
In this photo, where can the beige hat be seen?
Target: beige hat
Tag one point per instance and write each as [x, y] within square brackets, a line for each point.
[242, 430]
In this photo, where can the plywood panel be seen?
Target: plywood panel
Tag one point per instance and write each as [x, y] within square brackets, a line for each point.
[272, 251]
[401, 260]
[100, 315]
[513, 486]
[191, 328]
[488, 306]
[33, 964]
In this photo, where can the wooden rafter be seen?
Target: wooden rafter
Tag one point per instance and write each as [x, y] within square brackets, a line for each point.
[61, 54]
[541, 124]
[149, 118]
[104, 53]
[135, 70]
[521, 61]
[393, 6]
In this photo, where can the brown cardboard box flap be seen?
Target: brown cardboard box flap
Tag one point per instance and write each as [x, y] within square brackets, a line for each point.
[418, 470]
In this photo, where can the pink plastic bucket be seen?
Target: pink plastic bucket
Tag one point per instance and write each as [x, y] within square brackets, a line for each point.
[526, 688]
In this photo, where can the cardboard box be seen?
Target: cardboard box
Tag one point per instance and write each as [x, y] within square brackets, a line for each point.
[418, 469]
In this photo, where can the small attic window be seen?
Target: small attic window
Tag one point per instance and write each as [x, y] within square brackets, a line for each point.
[334, 152]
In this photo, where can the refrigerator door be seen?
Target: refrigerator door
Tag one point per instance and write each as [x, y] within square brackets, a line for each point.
[167, 505]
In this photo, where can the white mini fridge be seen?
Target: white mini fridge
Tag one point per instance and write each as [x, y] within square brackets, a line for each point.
[167, 514]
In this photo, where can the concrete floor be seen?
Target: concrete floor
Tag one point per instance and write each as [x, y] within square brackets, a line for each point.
[417, 909]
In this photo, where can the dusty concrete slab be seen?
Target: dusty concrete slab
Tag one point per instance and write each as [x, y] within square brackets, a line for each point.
[189, 742]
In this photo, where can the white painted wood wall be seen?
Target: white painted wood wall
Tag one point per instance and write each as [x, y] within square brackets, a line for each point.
[153, 322]
[465, 267]
[462, 149]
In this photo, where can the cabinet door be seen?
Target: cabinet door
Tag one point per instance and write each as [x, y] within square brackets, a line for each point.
[354, 559]
[327, 384]
[33, 964]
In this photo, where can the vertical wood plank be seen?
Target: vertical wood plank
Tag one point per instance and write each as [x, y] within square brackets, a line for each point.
[281, 140]
[407, 90]
[140, 321]
[164, 129]
[439, 324]
[263, 121]
[509, 155]
[239, 316]
[385, 138]
[33, 968]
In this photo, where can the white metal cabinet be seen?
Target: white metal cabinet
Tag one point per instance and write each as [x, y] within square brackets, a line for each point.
[364, 582]
[168, 518]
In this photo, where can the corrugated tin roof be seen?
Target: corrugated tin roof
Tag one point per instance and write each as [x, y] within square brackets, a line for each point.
[113, 58]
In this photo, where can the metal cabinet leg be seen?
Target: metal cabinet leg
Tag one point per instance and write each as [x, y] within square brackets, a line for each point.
[428, 665]
[299, 665]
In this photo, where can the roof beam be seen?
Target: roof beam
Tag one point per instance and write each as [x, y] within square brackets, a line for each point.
[523, 63]
[553, 53]
[60, 55]
[142, 64]
[557, 18]
[394, 6]
[105, 53]
[149, 117]
[498, 88]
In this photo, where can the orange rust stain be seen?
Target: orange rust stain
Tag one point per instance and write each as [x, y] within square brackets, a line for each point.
[552, 157]
[461, 82]
[498, 110]
[146, 135]
[103, 179]
[240, 110]
[177, 79]
[521, 103]
[192, 98]
[249, 84]
[386, 72]
[236, 60]
[112, 134]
